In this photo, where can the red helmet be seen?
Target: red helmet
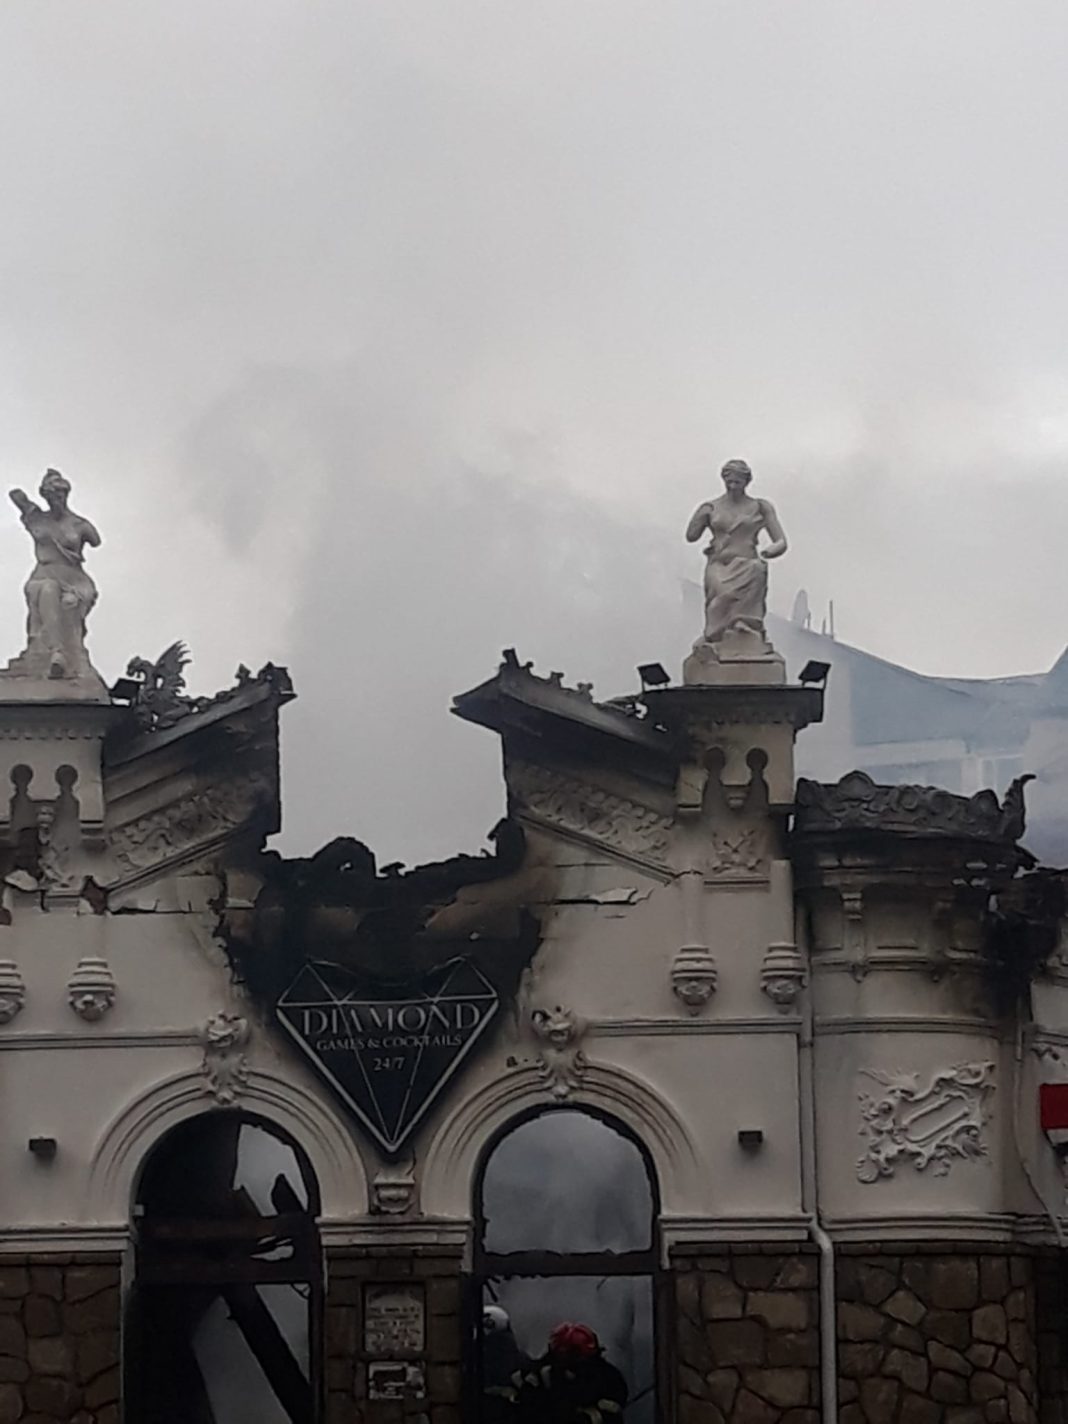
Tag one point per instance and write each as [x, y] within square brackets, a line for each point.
[575, 1341]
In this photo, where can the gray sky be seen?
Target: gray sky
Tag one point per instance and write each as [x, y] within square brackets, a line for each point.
[378, 336]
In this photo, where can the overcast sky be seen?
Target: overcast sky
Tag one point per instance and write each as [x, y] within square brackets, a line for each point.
[378, 336]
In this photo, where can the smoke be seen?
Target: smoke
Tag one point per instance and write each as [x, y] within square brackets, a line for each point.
[376, 338]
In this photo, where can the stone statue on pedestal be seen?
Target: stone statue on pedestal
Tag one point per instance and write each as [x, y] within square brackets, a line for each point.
[734, 646]
[59, 594]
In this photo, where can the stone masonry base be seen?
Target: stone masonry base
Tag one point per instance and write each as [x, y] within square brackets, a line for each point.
[747, 1336]
[936, 1336]
[926, 1335]
[348, 1270]
[59, 1339]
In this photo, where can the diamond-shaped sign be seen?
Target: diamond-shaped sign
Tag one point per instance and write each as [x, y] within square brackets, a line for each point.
[388, 1054]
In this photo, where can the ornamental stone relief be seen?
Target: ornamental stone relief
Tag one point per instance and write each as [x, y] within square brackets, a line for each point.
[783, 976]
[562, 1062]
[150, 840]
[12, 990]
[736, 853]
[928, 1123]
[586, 810]
[694, 977]
[91, 989]
[393, 1190]
[225, 1066]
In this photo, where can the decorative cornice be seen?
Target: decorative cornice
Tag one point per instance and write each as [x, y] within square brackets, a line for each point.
[857, 803]
[935, 1227]
[654, 1028]
[64, 1238]
[452, 1234]
[900, 959]
[58, 732]
[677, 1233]
[724, 706]
[56, 721]
[158, 1038]
[708, 1234]
[1039, 1035]
[904, 1023]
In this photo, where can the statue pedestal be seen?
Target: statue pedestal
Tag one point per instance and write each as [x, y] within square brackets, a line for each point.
[17, 685]
[738, 659]
[26, 678]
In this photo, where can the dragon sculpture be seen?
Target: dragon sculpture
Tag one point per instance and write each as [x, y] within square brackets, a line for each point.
[161, 699]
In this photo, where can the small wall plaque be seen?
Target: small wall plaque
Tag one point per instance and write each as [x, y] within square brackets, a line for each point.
[394, 1320]
[391, 1379]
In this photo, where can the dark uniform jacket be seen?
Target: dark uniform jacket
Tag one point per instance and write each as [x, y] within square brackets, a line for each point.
[580, 1391]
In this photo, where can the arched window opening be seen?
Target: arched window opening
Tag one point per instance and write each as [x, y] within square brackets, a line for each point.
[223, 1320]
[566, 1233]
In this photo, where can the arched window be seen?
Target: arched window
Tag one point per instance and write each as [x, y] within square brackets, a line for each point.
[223, 1320]
[567, 1232]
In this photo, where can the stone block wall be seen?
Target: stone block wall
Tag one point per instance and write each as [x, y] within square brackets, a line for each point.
[933, 1337]
[747, 1336]
[926, 1335]
[347, 1271]
[60, 1328]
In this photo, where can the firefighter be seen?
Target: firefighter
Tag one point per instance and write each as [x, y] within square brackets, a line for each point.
[572, 1383]
[503, 1366]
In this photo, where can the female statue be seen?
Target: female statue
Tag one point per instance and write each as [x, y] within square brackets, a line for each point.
[736, 575]
[59, 593]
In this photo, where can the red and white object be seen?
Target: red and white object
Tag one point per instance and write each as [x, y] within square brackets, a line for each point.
[1053, 1113]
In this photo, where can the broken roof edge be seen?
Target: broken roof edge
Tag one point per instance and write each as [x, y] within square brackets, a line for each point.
[505, 701]
[129, 741]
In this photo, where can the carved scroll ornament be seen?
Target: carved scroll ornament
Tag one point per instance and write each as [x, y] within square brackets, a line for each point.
[929, 1124]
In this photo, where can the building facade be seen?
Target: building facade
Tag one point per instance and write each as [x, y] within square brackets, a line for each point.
[742, 1071]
